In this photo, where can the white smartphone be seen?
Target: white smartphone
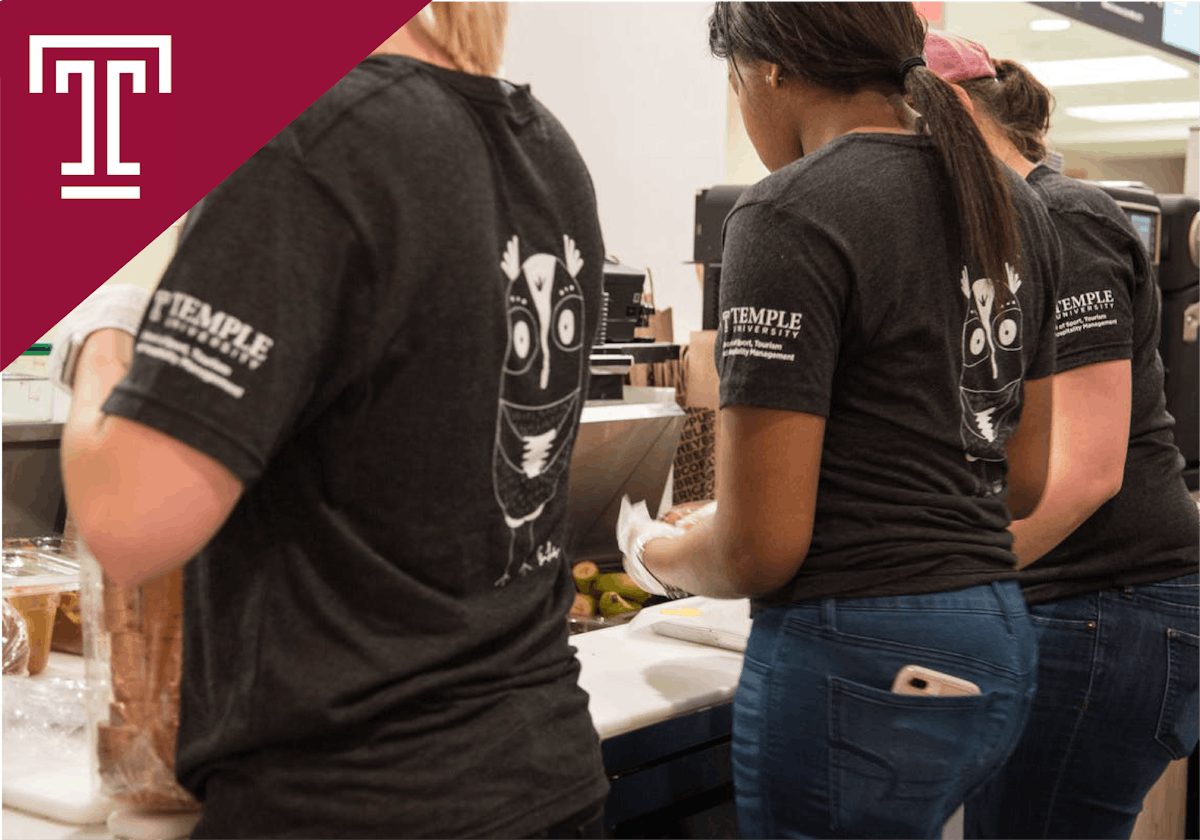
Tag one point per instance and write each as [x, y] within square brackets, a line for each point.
[917, 679]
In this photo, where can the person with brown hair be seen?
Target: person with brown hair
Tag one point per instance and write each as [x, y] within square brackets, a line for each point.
[884, 349]
[349, 408]
[1110, 553]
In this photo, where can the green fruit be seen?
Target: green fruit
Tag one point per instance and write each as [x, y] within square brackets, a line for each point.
[611, 604]
[622, 584]
[585, 575]
[583, 606]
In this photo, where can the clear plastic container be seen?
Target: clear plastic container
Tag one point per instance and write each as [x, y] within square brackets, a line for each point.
[28, 394]
[36, 577]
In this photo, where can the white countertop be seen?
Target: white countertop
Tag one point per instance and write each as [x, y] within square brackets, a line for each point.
[634, 678]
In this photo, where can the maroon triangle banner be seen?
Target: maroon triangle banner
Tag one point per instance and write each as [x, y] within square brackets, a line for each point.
[116, 118]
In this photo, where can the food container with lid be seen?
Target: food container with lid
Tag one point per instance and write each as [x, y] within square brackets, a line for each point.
[37, 575]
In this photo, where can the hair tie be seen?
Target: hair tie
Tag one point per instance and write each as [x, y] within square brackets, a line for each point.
[908, 64]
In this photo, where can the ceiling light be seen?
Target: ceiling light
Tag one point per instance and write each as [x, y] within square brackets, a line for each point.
[1104, 71]
[1049, 24]
[1143, 111]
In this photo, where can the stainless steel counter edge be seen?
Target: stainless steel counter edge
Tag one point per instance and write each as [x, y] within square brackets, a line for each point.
[604, 411]
[32, 432]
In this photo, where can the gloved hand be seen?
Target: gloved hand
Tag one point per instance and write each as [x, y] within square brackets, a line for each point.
[696, 517]
[114, 306]
[635, 528]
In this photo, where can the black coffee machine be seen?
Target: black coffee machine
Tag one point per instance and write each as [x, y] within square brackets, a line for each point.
[616, 348]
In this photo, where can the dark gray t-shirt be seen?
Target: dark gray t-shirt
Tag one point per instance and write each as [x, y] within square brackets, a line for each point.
[1109, 309]
[844, 294]
[380, 323]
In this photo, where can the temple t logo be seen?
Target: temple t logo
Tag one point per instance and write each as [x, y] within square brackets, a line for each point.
[84, 73]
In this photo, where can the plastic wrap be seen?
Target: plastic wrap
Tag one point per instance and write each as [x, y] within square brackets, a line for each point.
[16, 641]
[47, 713]
[134, 653]
[46, 748]
[56, 554]
[37, 574]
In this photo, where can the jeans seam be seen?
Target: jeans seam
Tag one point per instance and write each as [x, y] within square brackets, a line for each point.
[1171, 690]
[1060, 775]
[933, 654]
[1146, 600]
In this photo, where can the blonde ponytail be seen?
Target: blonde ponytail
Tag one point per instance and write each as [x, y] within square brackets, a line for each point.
[471, 35]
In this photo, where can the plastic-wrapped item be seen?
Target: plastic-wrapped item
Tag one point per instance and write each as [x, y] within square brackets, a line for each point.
[59, 551]
[16, 641]
[44, 711]
[35, 578]
[134, 655]
[67, 635]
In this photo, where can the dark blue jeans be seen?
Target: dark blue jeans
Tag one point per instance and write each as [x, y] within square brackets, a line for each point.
[1116, 702]
[823, 748]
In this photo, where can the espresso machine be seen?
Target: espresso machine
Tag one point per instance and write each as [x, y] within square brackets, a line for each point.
[627, 435]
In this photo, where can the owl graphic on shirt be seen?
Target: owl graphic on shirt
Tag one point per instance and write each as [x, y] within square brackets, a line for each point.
[993, 367]
[540, 393]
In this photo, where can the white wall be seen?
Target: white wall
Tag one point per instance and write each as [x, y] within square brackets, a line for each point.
[645, 102]
[742, 165]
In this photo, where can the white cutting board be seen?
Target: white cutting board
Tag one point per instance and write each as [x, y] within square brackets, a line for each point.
[54, 778]
[65, 794]
[635, 677]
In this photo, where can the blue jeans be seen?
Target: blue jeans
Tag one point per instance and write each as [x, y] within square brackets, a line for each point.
[1116, 702]
[823, 748]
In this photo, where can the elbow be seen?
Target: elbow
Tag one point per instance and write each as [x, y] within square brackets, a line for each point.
[128, 550]
[115, 552]
[1023, 499]
[1020, 509]
[1105, 485]
[760, 567]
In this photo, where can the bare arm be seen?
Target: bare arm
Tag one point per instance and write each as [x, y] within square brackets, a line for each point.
[1029, 449]
[768, 462]
[144, 502]
[1089, 442]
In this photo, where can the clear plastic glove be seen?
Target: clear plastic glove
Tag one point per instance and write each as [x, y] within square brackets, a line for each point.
[635, 528]
[116, 306]
[697, 517]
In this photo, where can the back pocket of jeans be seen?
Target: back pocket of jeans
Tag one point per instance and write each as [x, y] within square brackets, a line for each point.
[1177, 724]
[891, 755]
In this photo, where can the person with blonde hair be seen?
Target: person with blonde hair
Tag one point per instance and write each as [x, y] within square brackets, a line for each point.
[349, 409]
[1109, 555]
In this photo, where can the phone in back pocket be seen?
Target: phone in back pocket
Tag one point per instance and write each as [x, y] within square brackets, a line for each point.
[917, 679]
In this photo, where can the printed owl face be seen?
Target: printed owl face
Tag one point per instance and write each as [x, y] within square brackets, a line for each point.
[990, 389]
[991, 330]
[545, 333]
[541, 384]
